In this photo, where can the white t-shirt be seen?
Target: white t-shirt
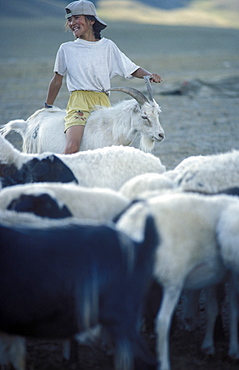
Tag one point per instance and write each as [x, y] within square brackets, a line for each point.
[90, 65]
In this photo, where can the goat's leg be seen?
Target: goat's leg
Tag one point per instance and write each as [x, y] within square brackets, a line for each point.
[190, 311]
[233, 351]
[12, 352]
[163, 323]
[212, 310]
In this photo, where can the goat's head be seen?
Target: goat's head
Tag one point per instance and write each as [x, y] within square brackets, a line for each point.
[145, 117]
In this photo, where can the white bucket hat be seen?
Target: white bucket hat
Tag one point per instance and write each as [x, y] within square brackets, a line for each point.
[83, 7]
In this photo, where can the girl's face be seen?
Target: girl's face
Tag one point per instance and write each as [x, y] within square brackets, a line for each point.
[81, 27]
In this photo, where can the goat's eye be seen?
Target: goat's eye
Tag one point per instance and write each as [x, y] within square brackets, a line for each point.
[147, 121]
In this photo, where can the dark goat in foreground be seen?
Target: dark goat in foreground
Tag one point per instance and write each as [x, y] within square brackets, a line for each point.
[59, 281]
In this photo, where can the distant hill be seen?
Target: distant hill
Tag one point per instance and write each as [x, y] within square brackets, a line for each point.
[41, 8]
[209, 13]
[218, 13]
[32, 8]
[166, 4]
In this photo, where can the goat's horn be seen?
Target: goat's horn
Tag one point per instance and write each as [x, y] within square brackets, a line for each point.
[149, 88]
[136, 94]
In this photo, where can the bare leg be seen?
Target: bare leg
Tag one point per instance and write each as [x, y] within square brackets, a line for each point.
[73, 139]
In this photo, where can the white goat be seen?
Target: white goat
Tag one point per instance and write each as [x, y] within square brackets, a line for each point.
[106, 126]
[210, 173]
[106, 167]
[96, 204]
[228, 237]
[187, 256]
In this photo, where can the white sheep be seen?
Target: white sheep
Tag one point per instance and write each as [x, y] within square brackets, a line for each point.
[10, 218]
[206, 174]
[97, 204]
[228, 238]
[138, 185]
[106, 167]
[210, 173]
[117, 125]
[187, 256]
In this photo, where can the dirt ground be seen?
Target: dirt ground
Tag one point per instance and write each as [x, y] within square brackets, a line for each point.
[199, 98]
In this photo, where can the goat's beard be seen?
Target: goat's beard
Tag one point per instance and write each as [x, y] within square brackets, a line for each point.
[146, 144]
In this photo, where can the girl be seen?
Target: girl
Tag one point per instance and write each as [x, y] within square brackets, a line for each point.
[89, 63]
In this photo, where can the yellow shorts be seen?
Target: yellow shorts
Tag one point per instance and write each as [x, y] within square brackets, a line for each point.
[80, 104]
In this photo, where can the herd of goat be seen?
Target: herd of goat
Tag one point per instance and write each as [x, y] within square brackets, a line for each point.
[83, 237]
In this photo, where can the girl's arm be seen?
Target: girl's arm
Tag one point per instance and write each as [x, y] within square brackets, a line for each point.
[140, 73]
[54, 88]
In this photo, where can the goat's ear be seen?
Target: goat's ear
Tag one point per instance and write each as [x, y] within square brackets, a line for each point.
[132, 107]
[136, 108]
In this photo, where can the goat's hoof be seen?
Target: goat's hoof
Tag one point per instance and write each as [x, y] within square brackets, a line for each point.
[209, 350]
[233, 354]
[189, 324]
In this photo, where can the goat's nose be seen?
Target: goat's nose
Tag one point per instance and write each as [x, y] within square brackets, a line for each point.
[161, 136]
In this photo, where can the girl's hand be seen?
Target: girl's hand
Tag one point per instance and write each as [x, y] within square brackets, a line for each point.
[155, 78]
